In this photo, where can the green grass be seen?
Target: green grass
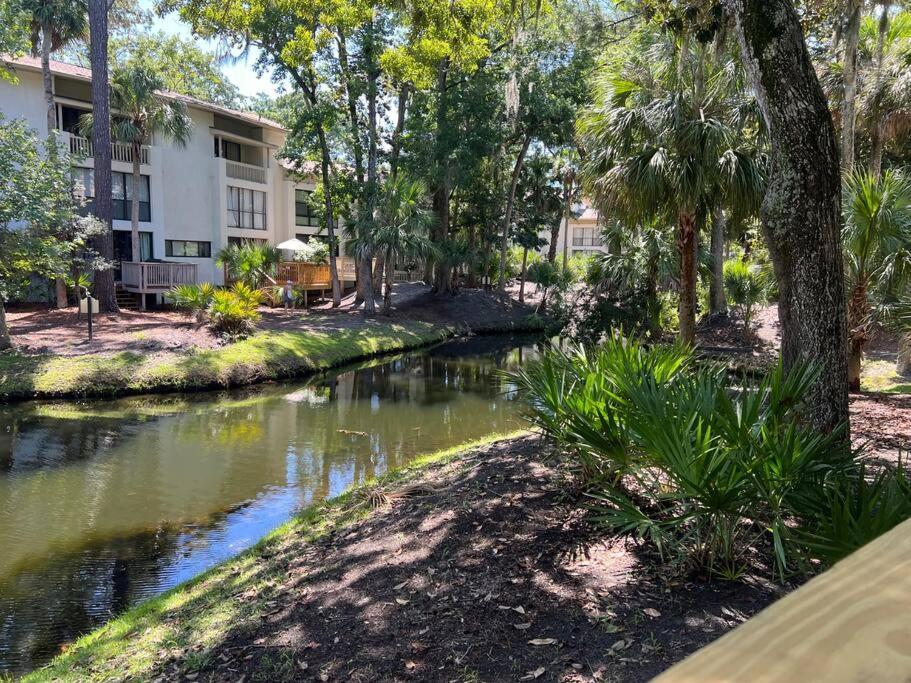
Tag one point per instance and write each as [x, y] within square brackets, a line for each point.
[880, 376]
[264, 356]
[187, 622]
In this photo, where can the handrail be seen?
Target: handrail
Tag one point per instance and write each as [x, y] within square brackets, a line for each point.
[120, 151]
[146, 276]
[850, 623]
[246, 172]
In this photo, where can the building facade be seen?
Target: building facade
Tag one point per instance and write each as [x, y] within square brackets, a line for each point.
[580, 235]
[224, 186]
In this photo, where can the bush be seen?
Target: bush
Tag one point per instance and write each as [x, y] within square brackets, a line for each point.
[316, 252]
[194, 300]
[232, 312]
[706, 470]
[746, 286]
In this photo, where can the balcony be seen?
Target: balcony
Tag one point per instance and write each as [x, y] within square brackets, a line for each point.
[145, 277]
[82, 147]
[245, 172]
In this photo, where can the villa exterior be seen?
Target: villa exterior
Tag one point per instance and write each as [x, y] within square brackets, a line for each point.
[583, 234]
[225, 186]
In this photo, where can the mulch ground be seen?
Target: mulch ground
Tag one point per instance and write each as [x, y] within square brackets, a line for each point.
[38, 329]
[487, 572]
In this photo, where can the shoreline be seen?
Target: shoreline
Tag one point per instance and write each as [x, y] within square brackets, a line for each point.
[263, 357]
[311, 524]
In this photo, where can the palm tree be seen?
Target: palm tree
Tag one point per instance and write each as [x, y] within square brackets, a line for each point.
[53, 25]
[249, 263]
[402, 227]
[141, 112]
[877, 250]
[661, 141]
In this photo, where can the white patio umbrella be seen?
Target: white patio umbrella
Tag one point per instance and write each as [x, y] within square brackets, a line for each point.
[293, 244]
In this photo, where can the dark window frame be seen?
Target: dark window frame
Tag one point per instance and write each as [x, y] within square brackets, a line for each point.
[169, 249]
[304, 215]
[239, 215]
[122, 206]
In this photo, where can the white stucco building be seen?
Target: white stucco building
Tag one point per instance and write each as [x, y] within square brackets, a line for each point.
[581, 235]
[224, 186]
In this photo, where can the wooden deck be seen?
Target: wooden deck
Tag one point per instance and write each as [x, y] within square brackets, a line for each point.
[850, 624]
[146, 277]
[312, 276]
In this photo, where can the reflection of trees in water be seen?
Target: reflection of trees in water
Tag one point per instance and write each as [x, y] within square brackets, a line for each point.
[75, 593]
[311, 440]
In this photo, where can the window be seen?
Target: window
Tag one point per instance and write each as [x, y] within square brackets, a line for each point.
[187, 248]
[303, 212]
[227, 149]
[121, 194]
[241, 241]
[587, 237]
[246, 208]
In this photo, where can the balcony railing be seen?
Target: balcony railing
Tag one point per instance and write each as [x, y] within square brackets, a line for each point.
[313, 275]
[146, 277]
[247, 172]
[120, 151]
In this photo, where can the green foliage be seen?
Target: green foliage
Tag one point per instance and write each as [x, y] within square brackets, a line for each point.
[234, 312]
[316, 251]
[746, 286]
[41, 233]
[231, 312]
[252, 264]
[706, 470]
[192, 299]
[181, 64]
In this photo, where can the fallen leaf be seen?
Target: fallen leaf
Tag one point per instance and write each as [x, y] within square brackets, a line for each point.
[522, 627]
[652, 612]
[400, 586]
[409, 665]
[531, 675]
[542, 641]
[401, 601]
[520, 610]
[303, 665]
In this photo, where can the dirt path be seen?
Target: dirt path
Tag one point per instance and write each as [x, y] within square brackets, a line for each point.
[487, 572]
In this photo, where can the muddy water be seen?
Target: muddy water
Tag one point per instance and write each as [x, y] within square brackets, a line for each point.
[104, 503]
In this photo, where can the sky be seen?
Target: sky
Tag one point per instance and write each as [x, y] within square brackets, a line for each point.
[241, 72]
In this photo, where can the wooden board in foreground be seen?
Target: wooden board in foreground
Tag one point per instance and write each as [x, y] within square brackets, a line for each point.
[852, 623]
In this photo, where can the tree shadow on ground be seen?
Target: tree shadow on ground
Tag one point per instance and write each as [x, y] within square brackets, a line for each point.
[485, 570]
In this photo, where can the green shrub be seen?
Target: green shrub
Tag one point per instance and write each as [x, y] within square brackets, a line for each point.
[232, 312]
[316, 251]
[706, 470]
[746, 286]
[194, 300]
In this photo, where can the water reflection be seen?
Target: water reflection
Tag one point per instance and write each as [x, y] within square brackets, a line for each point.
[108, 502]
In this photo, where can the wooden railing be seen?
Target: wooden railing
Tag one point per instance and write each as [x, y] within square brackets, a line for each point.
[247, 172]
[120, 151]
[156, 277]
[848, 624]
[313, 275]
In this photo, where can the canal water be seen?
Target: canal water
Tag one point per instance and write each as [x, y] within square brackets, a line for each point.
[105, 503]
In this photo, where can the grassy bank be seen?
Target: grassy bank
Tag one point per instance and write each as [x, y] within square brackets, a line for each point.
[264, 356]
[186, 622]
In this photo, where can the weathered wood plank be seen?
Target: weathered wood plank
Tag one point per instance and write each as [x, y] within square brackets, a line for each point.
[852, 623]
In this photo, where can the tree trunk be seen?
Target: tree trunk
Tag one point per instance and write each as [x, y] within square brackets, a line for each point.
[441, 279]
[855, 356]
[524, 272]
[390, 279]
[554, 236]
[903, 363]
[51, 113]
[567, 214]
[878, 133]
[134, 208]
[686, 244]
[858, 327]
[717, 301]
[101, 142]
[801, 211]
[507, 217]
[396, 142]
[5, 341]
[48, 79]
[848, 111]
[365, 279]
[326, 164]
